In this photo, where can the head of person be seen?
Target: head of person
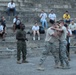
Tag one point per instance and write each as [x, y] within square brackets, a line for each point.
[57, 24]
[61, 23]
[42, 11]
[66, 12]
[12, 1]
[52, 11]
[72, 22]
[2, 17]
[36, 23]
[22, 26]
[16, 17]
[54, 25]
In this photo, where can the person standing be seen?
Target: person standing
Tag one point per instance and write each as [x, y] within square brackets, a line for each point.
[62, 45]
[43, 20]
[69, 34]
[50, 46]
[11, 7]
[21, 45]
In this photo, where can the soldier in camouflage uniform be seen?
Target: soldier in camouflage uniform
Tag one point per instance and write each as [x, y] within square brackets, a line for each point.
[62, 45]
[50, 46]
[21, 44]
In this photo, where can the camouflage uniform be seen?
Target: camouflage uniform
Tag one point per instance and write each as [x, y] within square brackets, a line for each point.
[62, 53]
[21, 44]
[62, 48]
[50, 46]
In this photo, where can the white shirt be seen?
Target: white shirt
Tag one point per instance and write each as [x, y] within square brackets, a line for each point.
[14, 20]
[70, 33]
[1, 28]
[35, 28]
[11, 5]
[72, 27]
[52, 16]
[43, 16]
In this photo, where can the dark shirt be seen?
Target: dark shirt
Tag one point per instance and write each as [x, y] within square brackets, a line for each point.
[21, 35]
[3, 22]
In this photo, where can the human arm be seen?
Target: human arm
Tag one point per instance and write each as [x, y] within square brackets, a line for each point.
[58, 29]
[1, 29]
[69, 33]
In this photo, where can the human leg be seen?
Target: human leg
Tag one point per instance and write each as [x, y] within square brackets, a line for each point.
[38, 35]
[34, 33]
[55, 53]
[8, 11]
[44, 56]
[46, 24]
[60, 56]
[14, 11]
[68, 51]
[42, 22]
[63, 53]
[19, 47]
[24, 52]
[14, 27]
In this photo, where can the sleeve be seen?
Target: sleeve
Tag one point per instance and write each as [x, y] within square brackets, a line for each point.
[46, 15]
[14, 20]
[69, 26]
[49, 15]
[64, 16]
[50, 32]
[55, 16]
[41, 15]
[38, 27]
[75, 26]
[70, 32]
[8, 5]
[33, 28]
[2, 28]
[13, 4]
[68, 16]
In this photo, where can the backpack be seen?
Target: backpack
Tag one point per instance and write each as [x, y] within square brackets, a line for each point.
[41, 30]
[18, 22]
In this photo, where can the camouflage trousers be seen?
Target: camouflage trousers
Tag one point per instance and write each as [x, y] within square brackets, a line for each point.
[50, 47]
[62, 52]
[21, 47]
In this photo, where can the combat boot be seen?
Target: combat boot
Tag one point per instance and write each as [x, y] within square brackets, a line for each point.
[24, 61]
[40, 68]
[18, 62]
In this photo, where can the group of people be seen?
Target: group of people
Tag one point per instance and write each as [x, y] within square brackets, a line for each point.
[10, 7]
[57, 32]
[52, 17]
[2, 28]
[43, 16]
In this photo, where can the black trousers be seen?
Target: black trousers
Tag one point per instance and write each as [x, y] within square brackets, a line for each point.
[68, 49]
